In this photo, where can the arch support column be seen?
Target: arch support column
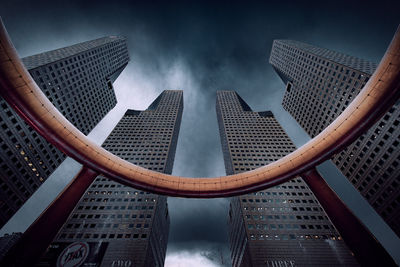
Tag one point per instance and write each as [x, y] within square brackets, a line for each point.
[35, 240]
[367, 250]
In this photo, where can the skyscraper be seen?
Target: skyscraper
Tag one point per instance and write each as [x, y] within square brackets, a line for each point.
[78, 81]
[320, 84]
[281, 226]
[117, 225]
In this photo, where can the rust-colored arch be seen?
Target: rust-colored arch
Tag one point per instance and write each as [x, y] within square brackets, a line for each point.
[20, 90]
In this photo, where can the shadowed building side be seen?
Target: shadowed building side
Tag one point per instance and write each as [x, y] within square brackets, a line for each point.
[320, 84]
[78, 81]
[281, 226]
[119, 225]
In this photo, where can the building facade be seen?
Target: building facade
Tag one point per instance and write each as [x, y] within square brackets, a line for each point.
[320, 84]
[118, 225]
[281, 226]
[78, 81]
[7, 241]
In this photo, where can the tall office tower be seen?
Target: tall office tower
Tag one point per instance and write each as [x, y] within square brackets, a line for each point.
[281, 226]
[115, 225]
[320, 85]
[78, 81]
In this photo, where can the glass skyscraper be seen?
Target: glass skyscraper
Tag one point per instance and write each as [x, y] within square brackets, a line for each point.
[281, 226]
[116, 225]
[78, 80]
[320, 84]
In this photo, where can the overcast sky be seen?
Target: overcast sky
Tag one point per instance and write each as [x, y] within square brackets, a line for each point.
[200, 48]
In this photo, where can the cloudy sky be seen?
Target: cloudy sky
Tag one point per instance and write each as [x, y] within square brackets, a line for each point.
[201, 47]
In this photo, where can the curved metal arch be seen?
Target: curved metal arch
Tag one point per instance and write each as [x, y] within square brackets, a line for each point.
[22, 93]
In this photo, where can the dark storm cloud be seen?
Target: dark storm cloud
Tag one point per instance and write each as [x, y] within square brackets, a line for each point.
[212, 252]
[201, 47]
[202, 214]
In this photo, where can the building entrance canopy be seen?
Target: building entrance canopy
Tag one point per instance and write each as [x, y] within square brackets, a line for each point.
[22, 93]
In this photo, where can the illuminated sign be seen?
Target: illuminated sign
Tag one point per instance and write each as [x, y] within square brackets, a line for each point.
[73, 255]
[68, 254]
